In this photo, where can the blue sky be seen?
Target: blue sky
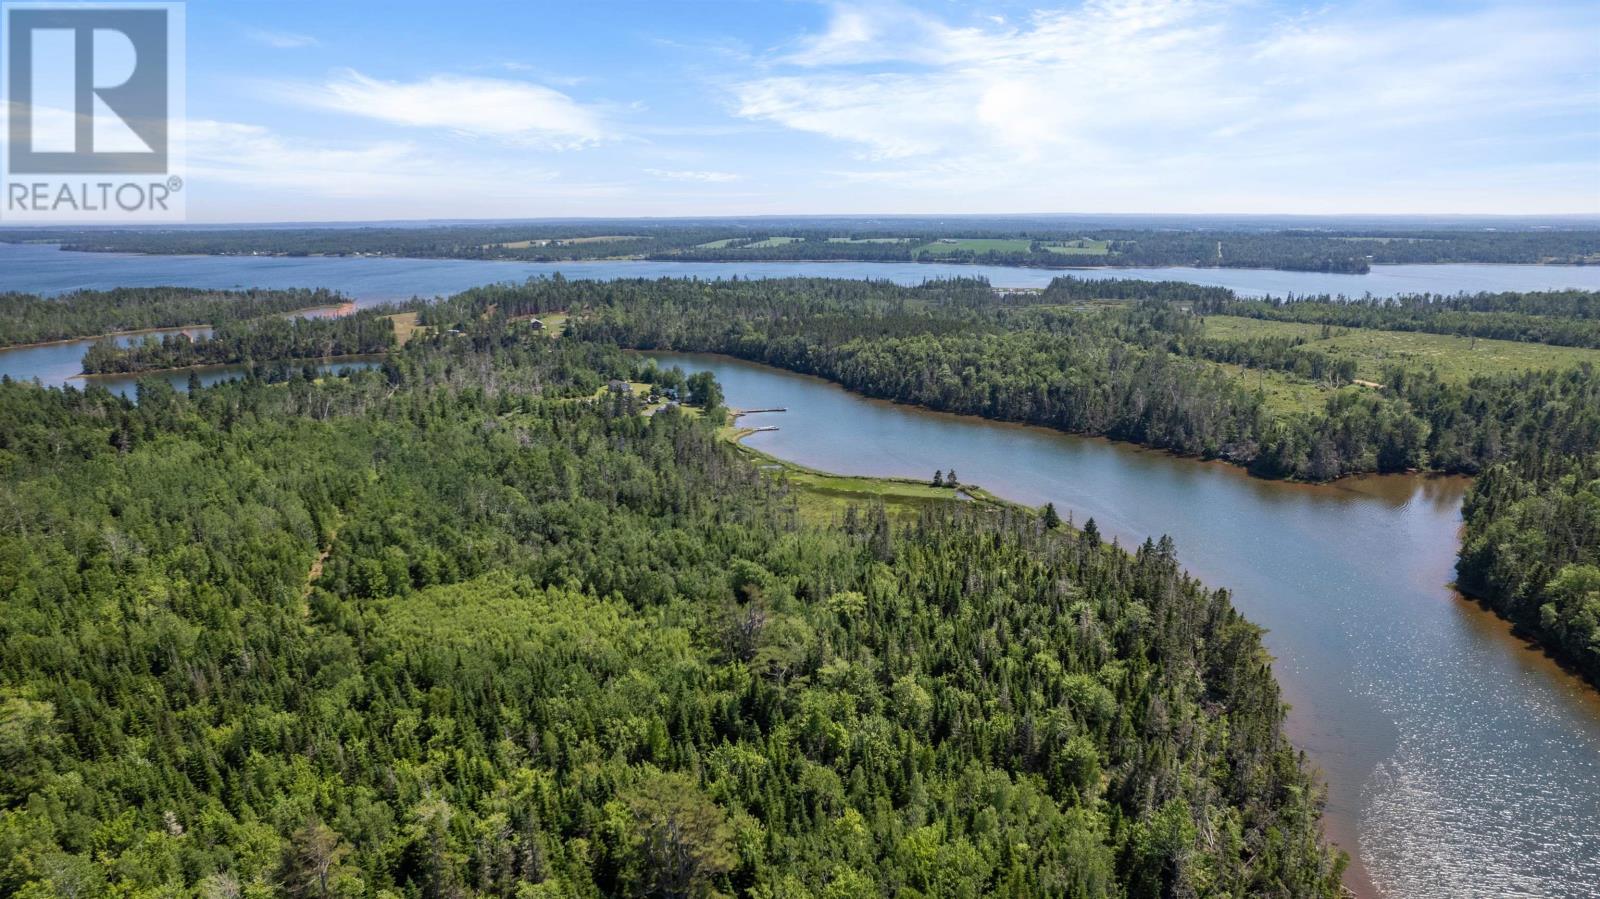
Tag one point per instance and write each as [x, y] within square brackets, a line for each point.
[345, 111]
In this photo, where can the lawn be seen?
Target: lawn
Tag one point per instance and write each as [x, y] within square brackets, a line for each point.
[1455, 358]
[555, 323]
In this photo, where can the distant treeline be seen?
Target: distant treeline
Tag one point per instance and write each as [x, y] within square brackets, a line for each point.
[1293, 249]
[26, 318]
[1140, 372]
[258, 340]
[1563, 317]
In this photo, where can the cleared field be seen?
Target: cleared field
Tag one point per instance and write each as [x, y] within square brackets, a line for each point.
[717, 244]
[555, 323]
[948, 246]
[405, 325]
[1283, 393]
[1084, 247]
[869, 240]
[603, 238]
[772, 242]
[559, 241]
[1455, 358]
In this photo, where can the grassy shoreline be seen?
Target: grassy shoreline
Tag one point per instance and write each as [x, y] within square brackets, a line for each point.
[823, 495]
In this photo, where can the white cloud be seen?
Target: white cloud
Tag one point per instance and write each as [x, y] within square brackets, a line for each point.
[355, 179]
[1194, 95]
[689, 175]
[253, 156]
[283, 40]
[517, 112]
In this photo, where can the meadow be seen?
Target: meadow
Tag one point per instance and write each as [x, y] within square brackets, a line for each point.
[949, 246]
[1455, 358]
[1082, 247]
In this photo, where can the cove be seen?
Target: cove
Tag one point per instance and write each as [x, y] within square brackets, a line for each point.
[1459, 761]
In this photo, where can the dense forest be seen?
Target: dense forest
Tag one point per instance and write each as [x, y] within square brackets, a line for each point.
[25, 318]
[1532, 552]
[469, 626]
[260, 340]
[1026, 241]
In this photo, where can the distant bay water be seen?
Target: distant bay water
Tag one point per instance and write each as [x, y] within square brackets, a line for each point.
[46, 269]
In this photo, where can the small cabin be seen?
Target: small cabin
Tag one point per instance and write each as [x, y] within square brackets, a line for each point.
[616, 386]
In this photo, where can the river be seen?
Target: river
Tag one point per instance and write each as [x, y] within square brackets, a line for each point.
[1459, 762]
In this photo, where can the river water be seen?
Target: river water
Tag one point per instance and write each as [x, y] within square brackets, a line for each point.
[1460, 763]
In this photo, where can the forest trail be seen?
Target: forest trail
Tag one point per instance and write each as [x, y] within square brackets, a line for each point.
[315, 571]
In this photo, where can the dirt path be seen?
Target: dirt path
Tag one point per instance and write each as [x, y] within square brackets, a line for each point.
[315, 571]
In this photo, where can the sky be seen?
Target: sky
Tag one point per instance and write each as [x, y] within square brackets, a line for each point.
[319, 111]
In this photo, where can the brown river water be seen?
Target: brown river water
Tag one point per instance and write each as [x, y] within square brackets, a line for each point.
[1460, 762]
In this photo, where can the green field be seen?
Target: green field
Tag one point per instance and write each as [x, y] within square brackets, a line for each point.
[772, 242]
[1283, 393]
[950, 246]
[1082, 247]
[555, 323]
[1455, 358]
[716, 244]
[559, 241]
[868, 239]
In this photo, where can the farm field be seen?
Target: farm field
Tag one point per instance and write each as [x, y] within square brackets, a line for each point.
[1083, 247]
[772, 242]
[950, 246]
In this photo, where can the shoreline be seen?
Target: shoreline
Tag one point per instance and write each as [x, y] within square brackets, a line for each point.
[1338, 831]
[1341, 482]
[337, 311]
[676, 260]
[213, 366]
